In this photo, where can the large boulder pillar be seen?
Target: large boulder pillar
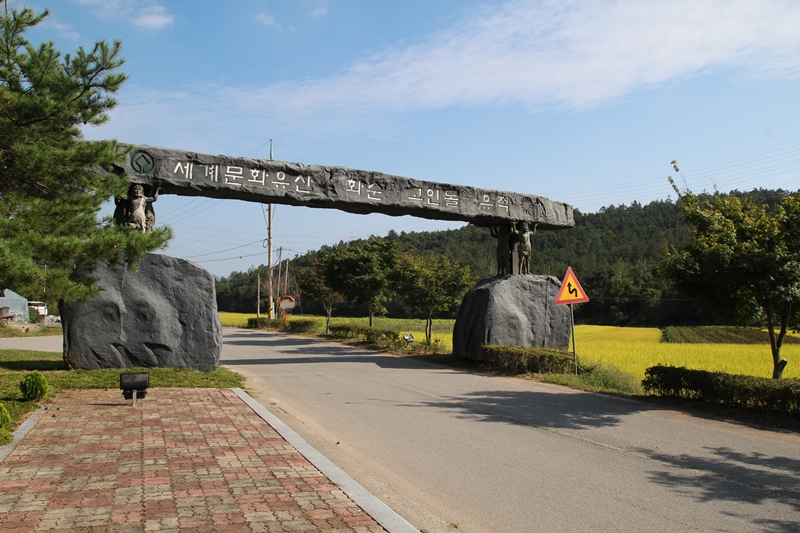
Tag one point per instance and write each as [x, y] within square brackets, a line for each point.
[162, 315]
[511, 311]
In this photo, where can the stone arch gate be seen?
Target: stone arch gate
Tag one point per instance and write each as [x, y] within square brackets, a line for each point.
[133, 322]
[355, 191]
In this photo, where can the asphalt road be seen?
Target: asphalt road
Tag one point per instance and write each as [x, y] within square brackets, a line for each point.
[449, 448]
[457, 451]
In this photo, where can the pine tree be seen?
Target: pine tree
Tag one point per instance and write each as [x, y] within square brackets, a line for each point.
[50, 192]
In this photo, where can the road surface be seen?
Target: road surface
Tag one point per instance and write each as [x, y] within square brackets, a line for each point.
[448, 448]
[452, 450]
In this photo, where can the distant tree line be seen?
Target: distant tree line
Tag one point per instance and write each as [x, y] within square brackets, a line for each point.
[616, 254]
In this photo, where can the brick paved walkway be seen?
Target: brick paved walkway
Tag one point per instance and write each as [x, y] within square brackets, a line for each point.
[182, 460]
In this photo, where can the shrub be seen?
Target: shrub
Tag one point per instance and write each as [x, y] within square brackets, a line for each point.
[521, 359]
[6, 437]
[5, 418]
[258, 322]
[780, 395]
[349, 330]
[387, 337]
[303, 325]
[33, 386]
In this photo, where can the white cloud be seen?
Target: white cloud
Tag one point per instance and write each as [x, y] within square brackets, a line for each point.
[66, 30]
[153, 17]
[268, 20]
[567, 53]
[319, 12]
[535, 54]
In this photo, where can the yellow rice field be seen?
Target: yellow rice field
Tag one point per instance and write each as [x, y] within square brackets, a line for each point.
[635, 349]
[632, 350]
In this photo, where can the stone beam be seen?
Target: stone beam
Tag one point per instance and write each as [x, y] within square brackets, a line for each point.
[355, 191]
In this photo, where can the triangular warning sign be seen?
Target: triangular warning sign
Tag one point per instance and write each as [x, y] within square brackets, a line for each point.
[571, 291]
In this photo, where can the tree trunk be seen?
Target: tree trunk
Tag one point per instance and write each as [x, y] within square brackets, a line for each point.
[370, 319]
[429, 329]
[329, 311]
[776, 342]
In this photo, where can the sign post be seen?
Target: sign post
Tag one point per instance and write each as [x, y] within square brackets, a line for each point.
[571, 293]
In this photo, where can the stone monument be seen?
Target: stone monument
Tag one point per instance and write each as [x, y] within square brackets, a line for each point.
[512, 311]
[162, 315]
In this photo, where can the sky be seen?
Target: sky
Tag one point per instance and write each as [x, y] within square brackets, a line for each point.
[585, 103]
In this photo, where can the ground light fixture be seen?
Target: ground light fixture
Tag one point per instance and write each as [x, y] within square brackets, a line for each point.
[134, 385]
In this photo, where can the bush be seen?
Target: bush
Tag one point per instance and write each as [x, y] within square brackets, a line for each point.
[303, 325]
[521, 360]
[33, 386]
[349, 330]
[258, 322]
[780, 395]
[5, 418]
[387, 337]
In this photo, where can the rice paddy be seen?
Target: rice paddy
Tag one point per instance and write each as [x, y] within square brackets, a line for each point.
[632, 350]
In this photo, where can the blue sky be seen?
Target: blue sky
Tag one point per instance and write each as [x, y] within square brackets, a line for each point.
[582, 102]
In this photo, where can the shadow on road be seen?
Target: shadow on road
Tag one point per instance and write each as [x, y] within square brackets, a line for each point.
[730, 476]
[540, 409]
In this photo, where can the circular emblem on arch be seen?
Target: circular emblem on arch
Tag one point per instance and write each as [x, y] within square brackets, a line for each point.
[142, 162]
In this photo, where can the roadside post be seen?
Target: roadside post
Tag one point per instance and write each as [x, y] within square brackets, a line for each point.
[571, 293]
[286, 302]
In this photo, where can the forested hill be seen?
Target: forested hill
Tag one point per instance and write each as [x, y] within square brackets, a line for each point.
[614, 253]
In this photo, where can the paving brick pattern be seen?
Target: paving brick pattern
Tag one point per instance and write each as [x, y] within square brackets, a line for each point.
[188, 460]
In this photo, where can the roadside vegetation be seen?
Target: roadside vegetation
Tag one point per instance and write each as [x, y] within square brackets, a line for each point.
[15, 365]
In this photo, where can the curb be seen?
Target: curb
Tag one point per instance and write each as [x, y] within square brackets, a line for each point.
[21, 431]
[382, 513]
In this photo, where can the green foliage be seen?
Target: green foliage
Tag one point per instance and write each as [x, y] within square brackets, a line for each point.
[303, 325]
[361, 273]
[259, 322]
[33, 386]
[431, 284]
[42, 331]
[15, 363]
[50, 192]
[522, 360]
[782, 396]
[315, 286]
[598, 378]
[743, 261]
[5, 418]
[384, 337]
[347, 331]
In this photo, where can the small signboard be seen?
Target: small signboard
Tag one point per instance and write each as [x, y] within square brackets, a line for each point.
[571, 291]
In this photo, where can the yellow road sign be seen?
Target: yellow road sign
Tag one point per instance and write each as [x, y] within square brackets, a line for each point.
[571, 291]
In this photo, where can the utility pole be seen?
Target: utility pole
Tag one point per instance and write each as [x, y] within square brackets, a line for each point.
[258, 298]
[269, 241]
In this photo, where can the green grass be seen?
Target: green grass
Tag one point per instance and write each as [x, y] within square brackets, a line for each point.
[14, 364]
[33, 331]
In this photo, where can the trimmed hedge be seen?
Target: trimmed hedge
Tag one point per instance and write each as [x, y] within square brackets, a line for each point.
[521, 360]
[303, 325]
[349, 330]
[259, 322]
[780, 395]
[388, 337]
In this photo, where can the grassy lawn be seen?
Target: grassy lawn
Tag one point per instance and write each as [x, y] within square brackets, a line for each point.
[33, 331]
[15, 363]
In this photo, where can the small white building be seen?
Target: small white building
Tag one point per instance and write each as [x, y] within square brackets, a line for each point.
[15, 303]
